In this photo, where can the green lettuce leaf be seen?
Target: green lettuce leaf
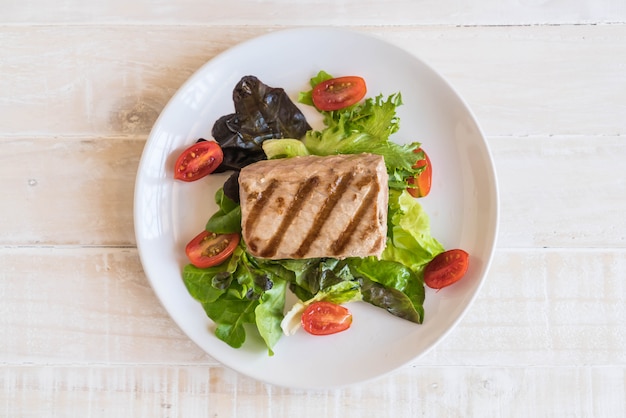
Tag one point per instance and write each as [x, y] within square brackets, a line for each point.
[392, 300]
[231, 313]
[411, 242]
[365, 127]
[199, 283]
[390, 285]
[236, 293]
[305, 96]
[227, 219]
[269, 314]
[284, 148]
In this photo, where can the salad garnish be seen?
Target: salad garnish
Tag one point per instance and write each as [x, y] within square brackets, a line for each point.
[241, 289]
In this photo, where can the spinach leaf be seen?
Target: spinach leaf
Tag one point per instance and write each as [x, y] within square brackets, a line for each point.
[321, 274]
[310, 276]
[230, 313]
[234, 293]
[269, 313]
[227, 219]
[199, 282]
[208, 284]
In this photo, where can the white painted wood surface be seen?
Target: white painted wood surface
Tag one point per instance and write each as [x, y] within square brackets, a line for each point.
[81, 332]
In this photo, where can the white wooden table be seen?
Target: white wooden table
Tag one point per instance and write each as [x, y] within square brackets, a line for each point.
[81, 331]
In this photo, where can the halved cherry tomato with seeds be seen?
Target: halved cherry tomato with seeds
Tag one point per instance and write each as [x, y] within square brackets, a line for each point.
[209, 249]
[337, 93]
[423, 180]
[324, 318]
[446, 268]
[197, 161]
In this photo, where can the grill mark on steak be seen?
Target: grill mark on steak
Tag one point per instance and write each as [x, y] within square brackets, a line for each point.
[304, 191]
[261, 200]
[322, 216]
[346, 235]
[377, 244]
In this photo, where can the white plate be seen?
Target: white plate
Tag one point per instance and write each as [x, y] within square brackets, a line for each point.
[463, 203]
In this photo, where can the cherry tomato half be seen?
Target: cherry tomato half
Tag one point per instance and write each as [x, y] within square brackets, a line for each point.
[446, 268]
[209, 249]
[424, 179]
[323, 318]
[337, 93]
[197, 161]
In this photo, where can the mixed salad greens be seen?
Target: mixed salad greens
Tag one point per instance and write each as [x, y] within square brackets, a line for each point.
[243, 289]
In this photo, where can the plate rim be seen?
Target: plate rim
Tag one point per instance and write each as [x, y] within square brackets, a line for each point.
[365, 36]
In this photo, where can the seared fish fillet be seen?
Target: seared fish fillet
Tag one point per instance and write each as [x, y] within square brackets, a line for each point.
[308, 207]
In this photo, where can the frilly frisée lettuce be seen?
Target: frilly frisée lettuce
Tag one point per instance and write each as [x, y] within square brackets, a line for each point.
[364, 127]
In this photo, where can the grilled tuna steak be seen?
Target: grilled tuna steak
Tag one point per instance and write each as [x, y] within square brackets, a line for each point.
[308, 207]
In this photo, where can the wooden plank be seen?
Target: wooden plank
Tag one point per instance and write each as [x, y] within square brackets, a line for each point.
[65, 306]
[86, 187]
[82, 333]
[84, 306]
[544, 307]
[584, 176]
[115, 80]
[189, 391]
[316, 12]
[68, 191]
[527, 81]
